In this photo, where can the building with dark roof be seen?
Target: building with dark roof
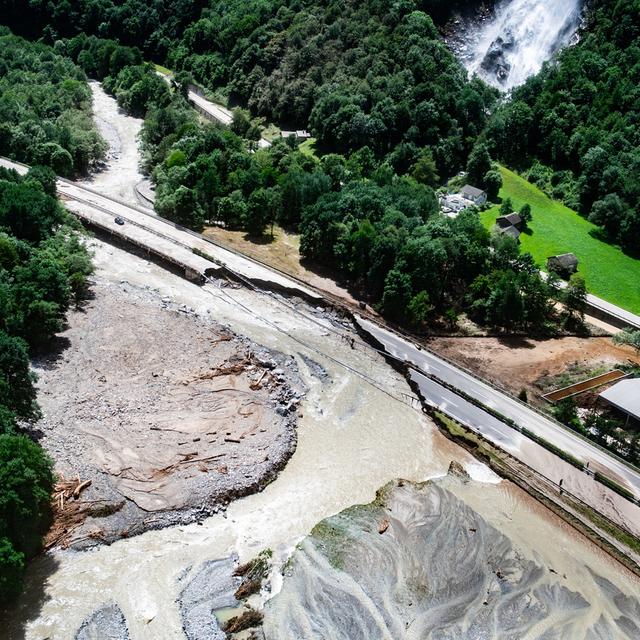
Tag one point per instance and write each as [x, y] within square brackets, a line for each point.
[564, 264]
[510, 231]
[510, 220]
[475, 195]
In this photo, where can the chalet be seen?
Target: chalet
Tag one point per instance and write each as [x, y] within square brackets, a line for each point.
[564, 265]
[625, 397]
[474, 195]
[510, 220]
[511, 231]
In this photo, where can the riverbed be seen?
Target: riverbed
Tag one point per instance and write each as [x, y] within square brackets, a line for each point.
[360, 427]
[122, 172]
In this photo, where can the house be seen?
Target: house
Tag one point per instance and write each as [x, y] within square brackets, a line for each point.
[452, 204]
[300, 134]
[510, 231]
[564, 264]
[510, 220]
[475, 195]
[625, 396]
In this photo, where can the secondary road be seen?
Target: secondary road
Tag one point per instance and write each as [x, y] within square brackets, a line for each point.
[428, 363]
[146, 227]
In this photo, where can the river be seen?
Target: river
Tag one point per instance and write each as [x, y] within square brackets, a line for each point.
[360, 428]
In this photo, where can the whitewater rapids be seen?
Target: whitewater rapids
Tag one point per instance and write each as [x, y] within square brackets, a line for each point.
[513, 45]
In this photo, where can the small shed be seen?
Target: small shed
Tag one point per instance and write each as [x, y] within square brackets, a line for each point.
[475, 195]
[625, 396]
[510, 231]
[564, 264]
[510, 220]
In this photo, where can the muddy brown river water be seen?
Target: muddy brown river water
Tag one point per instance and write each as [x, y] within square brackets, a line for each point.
[360, 428]
[353, 438]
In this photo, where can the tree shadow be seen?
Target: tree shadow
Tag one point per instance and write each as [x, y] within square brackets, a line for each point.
[262, 240]
[516, 342]
[51, 357]
[331, 274]
[598, 233]
[16, 617]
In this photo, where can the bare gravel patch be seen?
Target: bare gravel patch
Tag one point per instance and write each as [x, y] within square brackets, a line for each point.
[169, 414]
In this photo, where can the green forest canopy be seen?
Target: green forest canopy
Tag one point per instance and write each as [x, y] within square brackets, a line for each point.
[45, 108]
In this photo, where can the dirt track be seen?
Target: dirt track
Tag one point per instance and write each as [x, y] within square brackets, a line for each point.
[169, 414]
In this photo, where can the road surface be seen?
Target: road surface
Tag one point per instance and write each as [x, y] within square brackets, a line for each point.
[524, 416]
[142, 226]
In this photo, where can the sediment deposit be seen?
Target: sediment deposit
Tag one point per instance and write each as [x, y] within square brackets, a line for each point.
[167, 413]
[420, 563]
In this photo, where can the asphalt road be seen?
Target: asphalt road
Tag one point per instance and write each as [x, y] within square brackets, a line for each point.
[165, 237]
[429, 363]
[148, 224]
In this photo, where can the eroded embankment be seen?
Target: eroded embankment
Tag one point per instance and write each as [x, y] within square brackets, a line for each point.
[168, 414]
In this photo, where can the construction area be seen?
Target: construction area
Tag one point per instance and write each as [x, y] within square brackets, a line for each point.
[538, 367]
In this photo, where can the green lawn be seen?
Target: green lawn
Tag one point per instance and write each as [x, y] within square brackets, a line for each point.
[308, 147]
[162, 70]
[608, 272]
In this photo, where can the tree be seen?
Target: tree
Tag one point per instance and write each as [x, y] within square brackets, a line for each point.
[17, 392]
[478, 165]
[419, 309]
[575, 301]
[525, 214]
[506, 207]
[182, 207]
[26, 481]
[630, 337]
[424, 170]
[565, 412]
[492, 184]
[396, 295]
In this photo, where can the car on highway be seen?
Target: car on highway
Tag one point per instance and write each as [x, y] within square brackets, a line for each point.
[118, 220]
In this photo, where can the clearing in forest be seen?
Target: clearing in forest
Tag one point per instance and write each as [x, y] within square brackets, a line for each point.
[608, 272]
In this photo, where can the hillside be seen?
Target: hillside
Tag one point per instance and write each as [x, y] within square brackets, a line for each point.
[608, 272]
[574, 126]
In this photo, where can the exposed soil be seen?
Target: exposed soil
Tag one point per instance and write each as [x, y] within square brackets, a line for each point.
[283, 253]
[514, 364]
[168, 414]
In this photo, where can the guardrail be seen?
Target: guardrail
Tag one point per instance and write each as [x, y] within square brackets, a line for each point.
[344, 304]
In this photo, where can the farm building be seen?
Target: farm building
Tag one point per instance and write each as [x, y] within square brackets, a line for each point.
[625, 396]
[509, 231]
[564, 264]
[510, 220]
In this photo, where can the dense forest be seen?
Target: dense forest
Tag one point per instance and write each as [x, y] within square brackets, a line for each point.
[372, 73]
[45, 120]
[45, 108]
[43, 270]
[574, 127]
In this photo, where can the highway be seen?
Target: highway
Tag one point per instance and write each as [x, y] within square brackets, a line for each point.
[146, 229]
[143, 227]
[430, 364]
